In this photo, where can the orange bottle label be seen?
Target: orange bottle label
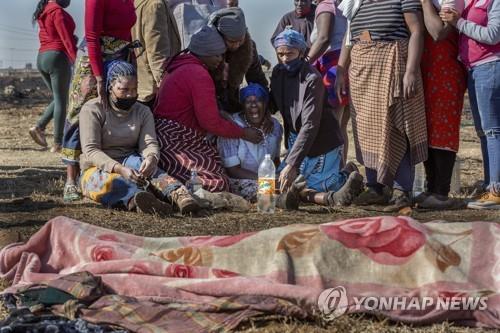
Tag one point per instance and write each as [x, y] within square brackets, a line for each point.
[266, 185]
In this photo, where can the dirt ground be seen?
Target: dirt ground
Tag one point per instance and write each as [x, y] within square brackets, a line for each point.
[31, 184]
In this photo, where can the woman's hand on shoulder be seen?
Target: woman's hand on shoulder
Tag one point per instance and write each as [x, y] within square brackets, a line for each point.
[252, 135]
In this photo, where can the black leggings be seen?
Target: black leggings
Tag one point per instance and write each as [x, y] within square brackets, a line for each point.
[438, 170]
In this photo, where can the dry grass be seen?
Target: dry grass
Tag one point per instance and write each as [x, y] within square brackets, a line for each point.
[31, 183]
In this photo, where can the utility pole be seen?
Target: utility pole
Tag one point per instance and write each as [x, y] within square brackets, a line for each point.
[11, 57]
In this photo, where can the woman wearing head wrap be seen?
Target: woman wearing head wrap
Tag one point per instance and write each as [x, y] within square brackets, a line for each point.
[386, 95]
[187, 111]
[120, 152]
[56, 55]
[312, 133]
[241, 60]
[107, 37]
[242, 158]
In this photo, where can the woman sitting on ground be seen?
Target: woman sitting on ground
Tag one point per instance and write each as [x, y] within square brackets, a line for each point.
[242, 158]
[187, 111]
[121, 153]
[312, 133]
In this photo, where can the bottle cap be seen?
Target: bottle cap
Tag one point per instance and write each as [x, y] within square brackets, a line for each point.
[267, 156]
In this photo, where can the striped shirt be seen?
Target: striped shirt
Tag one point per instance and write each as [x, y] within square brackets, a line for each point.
[384, 19]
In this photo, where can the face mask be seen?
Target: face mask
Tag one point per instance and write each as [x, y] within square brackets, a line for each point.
[63, 3]
[293, 65]
[123, 104]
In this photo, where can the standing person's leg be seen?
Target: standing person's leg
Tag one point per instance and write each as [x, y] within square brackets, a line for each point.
[403, 185]
[345, 116]
[61, 79]
[473, 98]
[487, 85]
[441, 163]
[38, 132]
[71, 153]
[375, 193]
[83, 88]
[489, 108]
[445, 161]
[430, 172]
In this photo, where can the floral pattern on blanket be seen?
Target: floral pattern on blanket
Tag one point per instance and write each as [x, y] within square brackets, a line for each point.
[376, 256]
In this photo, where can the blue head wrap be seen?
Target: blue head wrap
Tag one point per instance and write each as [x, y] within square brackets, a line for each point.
[254, 89]
[290, 38]
[117, 68]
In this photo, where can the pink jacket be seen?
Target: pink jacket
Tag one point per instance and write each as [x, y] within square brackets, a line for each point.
[471, 50]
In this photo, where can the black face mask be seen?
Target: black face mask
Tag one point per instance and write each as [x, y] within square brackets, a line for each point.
[63, 3]
[123, 103]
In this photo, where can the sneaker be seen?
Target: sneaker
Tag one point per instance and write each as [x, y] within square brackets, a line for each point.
[147, 203]
[487, 201]
[38, 135]
[185, 201]
[371, 197]
[399, 200]
[56, 148]
[439, 202]
[351, 189]
[71, 193]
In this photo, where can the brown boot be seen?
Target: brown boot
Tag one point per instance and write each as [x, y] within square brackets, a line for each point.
[185, 201]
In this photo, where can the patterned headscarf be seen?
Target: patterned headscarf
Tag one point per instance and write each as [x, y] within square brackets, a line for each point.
[118, 68]
[254, 89]
[290, 38]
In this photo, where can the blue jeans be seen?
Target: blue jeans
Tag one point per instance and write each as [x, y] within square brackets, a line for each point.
[114, 191]
[322, 173]
[403, 180]
[484, 94]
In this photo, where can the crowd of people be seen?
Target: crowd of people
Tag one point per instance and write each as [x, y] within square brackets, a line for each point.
[140, 112]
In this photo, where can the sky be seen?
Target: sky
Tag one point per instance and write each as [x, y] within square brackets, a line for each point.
[19, 39]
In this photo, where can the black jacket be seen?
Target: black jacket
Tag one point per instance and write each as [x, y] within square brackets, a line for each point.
[302, 101]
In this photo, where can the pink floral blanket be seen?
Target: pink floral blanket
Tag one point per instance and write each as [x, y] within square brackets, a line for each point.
[395, 266]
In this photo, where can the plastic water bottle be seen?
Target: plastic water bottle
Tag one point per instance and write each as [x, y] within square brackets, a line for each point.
[266, 198]
[419, 182]
[455, 186]
[194, 183]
